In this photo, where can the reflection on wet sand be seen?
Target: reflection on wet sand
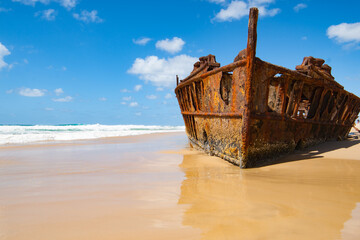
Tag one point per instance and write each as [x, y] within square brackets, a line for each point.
[297, 199]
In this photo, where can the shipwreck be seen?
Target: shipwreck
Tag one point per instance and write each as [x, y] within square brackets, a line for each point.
[251, 110]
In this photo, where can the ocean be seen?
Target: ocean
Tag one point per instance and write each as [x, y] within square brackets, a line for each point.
[23, 134]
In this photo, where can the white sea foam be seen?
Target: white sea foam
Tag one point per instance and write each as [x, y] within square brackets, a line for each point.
[16, 134]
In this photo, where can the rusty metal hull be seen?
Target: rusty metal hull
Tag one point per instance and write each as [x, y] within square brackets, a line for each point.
[251, 110]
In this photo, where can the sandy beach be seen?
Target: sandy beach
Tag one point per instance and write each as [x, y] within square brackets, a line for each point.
[156, 187]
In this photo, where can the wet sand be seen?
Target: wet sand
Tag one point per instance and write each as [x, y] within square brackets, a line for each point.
[156, 187]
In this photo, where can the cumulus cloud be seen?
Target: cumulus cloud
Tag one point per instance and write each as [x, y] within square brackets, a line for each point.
[68, 4]
[142, 41]
[238, 9]
[133, 104]
[127, 98]
[32, 2]
[299, 6]
[217, 1]
[168, 96]
[65, 99]
[125, 90]
[5, 9]
[58, 91]
[161, 72]
[345, 32]
[28, 92]
[170, 45]
[159, 89]
[137, 88]
[48, 14]
[88, 17]
[151, 97]
[3, 52]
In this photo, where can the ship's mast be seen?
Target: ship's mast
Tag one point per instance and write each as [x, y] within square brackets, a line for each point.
[250, 68]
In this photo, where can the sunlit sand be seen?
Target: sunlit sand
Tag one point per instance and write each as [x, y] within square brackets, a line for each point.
[156, 187]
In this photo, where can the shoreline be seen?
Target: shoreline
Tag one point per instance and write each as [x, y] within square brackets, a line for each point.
[86, 141]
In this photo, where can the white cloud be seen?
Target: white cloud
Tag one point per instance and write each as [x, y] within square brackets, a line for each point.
[217, 1]
[10, 91]
[304, 38]
[12, 65]
[159, 89]
[3, 52]
[260, 2]
[172, 46]
[142, 41]
[123, 103]
[68, 4]
[151, 97]
[63, 68]
[125, 90]
[103, 99]
[127, 98]
[26, 61]
[168, 96]
[58, 91]
[138, 114]
[5, 9]
[238, 9]
[48, 14]
[65, 99]
[263, 11]
[49, 109]
[137, 88]
[161, 72]
[133, 104]
[28, 92]
[345, 32]
[88, 17]
[300, 6]
[32, 2]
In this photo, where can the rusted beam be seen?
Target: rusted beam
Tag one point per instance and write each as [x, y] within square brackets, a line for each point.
[201, 68]
[250, 67]
[274, 117]
[227, 68]
[212, 114]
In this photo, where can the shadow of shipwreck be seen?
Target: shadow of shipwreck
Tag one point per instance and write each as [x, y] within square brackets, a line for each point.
[308, 153]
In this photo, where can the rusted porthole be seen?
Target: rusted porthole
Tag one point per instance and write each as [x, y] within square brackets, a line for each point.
[225, 87]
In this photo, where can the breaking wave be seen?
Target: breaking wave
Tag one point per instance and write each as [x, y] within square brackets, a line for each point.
[20, 134]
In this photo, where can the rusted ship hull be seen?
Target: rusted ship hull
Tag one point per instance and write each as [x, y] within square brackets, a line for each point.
[251, 110]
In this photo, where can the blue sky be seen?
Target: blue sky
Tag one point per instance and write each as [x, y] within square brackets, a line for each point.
[114, 62]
